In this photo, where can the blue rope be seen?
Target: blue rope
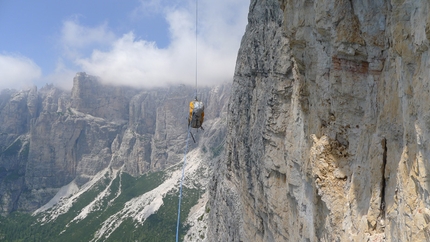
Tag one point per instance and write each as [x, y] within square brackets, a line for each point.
[186, 147]
[180, 187]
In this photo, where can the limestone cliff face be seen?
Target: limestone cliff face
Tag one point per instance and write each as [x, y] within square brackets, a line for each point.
[328, 135]
[49, 138]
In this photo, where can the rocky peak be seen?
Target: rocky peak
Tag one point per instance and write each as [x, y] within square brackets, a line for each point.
[327, 125]
[50, 138]
[90, 96]
[14, 115]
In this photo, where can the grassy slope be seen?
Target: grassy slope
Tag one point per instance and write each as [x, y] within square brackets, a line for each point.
[158, 227]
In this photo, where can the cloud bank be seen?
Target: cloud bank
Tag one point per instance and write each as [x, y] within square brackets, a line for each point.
[125, 58]
[17, 71]
[136, 62]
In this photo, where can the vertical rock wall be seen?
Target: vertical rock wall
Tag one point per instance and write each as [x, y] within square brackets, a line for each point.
[328, 125]
[49, 138]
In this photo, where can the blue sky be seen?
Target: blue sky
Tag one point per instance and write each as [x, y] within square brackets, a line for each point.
[141, 43]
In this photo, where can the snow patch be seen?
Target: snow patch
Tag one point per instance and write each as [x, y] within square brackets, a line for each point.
[140, 208]
[64, 192]
[63, 204]
[98, 201]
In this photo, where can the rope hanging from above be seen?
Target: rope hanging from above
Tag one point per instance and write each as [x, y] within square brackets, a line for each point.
[197, 17]
[195, 120]
[182, 180]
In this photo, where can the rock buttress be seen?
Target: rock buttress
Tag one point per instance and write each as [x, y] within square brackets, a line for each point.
[328, 125]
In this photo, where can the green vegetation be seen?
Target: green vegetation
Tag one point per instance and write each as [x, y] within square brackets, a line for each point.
[24, 227]
[12, 176]
[131, 187]
[18, 226]
[160, 226]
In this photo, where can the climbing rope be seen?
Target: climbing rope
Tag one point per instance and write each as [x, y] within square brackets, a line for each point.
[180, 186]
[186, 147]
[197, 17]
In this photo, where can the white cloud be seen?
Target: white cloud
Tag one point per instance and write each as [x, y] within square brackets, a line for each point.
[75, 38]
[136, 62]
[62, 76]
[17, 71]
[129, 60]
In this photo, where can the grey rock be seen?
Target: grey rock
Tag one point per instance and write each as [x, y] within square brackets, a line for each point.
[328, 132]
[91, 97]
[50, 137]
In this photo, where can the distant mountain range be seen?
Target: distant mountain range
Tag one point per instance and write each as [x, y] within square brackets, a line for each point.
[103, 163]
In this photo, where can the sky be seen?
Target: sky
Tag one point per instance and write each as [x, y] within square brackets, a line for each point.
[139, 43]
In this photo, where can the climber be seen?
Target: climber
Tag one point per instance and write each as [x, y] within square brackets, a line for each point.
[197, 114]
